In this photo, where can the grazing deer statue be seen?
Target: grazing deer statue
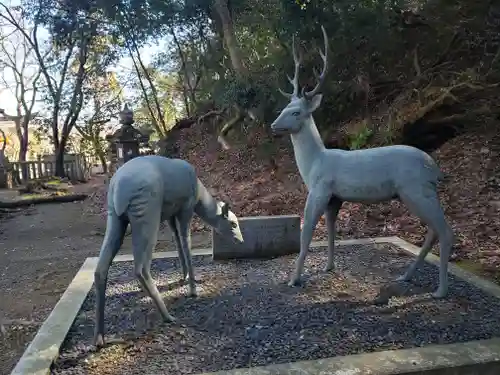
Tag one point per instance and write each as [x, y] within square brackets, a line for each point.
[144, 192]
[334, 176]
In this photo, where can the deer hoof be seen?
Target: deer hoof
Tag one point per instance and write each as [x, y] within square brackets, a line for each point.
[328, 268]
[186, 279]
[169, 318]
[294, 282]
[192, 292]
[99, 341]
[440, 293]
[404, 277]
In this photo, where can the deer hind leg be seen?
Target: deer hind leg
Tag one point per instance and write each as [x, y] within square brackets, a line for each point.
[113, 239]
[331, 214]
[423, 201]
[144, 237]
[430, 240]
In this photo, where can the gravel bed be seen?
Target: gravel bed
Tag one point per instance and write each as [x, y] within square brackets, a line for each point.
[246, 315]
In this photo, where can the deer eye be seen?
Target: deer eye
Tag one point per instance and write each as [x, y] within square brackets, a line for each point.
[295, 114]
[234, 225]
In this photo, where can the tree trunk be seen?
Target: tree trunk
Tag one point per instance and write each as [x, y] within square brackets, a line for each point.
[23, 148]
[22, 158]
[60, 159]
[104, 164]
[185, 98]
[229, 37]
[226, 23]
[101, 154]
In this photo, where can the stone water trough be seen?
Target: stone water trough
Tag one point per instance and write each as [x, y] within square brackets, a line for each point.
[247, 321]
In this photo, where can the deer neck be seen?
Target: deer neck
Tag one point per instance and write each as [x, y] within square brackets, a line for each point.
[206, 206]
[307, 147]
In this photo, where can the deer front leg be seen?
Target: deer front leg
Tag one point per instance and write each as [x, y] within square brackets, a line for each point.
[315, 206]
[183, 220]
[182, 258]
[331, 214]
[144, 237]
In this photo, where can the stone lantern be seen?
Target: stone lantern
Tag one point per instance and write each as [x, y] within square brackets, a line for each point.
[127, 138]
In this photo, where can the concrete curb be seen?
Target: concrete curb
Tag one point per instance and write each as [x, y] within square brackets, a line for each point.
[453, 359]
[44, 348]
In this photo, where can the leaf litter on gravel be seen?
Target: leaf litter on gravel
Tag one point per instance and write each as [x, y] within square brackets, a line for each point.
[247, 315]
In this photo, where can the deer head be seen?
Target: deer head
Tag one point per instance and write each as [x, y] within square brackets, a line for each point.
[227, 223]
[292, 117]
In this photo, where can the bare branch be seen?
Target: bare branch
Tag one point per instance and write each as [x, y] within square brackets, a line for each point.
[133, 45]
[32, 40]
[209, 114]
[228, 126]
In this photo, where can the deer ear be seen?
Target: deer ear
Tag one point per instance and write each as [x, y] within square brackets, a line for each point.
[225, 209]
[315, 102]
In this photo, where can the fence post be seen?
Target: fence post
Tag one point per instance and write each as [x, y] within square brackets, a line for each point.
[39, 168]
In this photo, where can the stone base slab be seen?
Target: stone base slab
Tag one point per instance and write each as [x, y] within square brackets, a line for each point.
[264, 237]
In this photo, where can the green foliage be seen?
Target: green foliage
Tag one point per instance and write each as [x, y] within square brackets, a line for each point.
[361, 138]
[371, 42]
[302, 3]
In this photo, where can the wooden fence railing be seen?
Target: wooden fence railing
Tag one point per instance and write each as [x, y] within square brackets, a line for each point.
[77, 169]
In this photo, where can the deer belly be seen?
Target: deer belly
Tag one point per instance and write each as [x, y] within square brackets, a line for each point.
[169, 209]
[370, 193]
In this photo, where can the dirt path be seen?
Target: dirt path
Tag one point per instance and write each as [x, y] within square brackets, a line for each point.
[41, 249]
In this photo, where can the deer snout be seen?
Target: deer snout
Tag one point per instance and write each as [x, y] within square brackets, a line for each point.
[238, 236]
[276, 130]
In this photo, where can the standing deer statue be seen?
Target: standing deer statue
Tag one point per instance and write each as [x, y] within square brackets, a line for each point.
[144, 192]
[334, 176]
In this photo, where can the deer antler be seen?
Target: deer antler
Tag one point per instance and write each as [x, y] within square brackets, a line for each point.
[321, 78]
[297, 58]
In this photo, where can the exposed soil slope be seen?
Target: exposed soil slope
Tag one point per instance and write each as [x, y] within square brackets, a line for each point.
[470, 192]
